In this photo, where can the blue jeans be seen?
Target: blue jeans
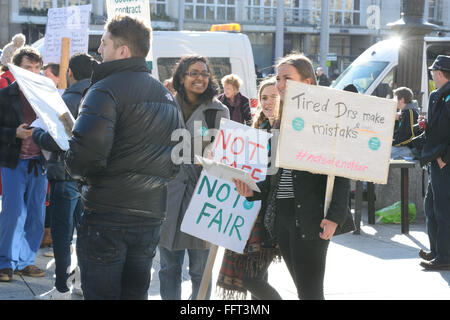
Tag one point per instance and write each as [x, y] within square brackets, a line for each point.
[65, 209]
[115, 262]
[171, 272]
[22, 216]
[437, 204]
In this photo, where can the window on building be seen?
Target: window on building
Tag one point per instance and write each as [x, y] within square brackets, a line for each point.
[158, 7]
[34, 7]
[210, 10]
[435, 11]
[66, 3]
[262, 10]
[342, 12]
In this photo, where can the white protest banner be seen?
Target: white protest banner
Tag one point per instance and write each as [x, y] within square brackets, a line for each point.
[66, 22]
[337, 133]
[139, 8]
[217, 213]
[46, 101]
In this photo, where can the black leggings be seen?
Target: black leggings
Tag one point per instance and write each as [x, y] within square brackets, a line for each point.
[260, 288]
[305, 259]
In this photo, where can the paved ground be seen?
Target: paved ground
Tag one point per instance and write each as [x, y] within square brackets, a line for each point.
[379, 264]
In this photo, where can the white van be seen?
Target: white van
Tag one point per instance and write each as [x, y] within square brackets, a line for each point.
[228, 52]
[374, 71]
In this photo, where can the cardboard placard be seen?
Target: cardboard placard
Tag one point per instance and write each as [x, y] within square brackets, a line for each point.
[217, 213]
[337, 133]
[66, 22]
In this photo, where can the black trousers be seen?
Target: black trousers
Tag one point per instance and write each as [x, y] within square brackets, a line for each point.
[305, 259]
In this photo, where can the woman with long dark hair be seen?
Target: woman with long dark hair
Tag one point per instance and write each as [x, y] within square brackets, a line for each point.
[196, 91]
[295, 212]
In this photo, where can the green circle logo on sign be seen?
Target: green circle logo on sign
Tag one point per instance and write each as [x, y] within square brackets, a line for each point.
[248, 204]
[298, 124]
[374, 143]
[203, 131]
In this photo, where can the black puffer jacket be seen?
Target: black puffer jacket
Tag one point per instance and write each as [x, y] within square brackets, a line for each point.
[121, 144]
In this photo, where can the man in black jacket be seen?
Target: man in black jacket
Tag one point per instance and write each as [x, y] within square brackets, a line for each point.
[436, 151]
[121, 150]
[65, 204]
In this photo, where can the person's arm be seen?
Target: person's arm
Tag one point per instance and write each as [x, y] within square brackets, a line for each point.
[246, 112]
[405, 132]
[44, 140]
[337, 212]
[93, 135]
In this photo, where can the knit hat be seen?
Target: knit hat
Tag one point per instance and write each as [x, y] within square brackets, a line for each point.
[8, 51]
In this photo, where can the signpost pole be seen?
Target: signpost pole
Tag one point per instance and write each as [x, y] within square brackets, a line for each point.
[207, 273]
[328, 194]
[64, 62]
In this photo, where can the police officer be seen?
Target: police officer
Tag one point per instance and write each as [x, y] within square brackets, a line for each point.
[436, 151]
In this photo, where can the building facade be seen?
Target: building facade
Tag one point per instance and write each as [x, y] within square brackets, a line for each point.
[354, 24]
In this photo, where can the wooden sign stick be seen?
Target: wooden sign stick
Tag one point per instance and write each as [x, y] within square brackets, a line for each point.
[328, 194]
[207, 273]
[64, 62]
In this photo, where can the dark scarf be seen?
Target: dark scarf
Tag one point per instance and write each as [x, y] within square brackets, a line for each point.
[186, 107]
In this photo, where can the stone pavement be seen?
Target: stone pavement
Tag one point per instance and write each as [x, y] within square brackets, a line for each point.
[378, 264]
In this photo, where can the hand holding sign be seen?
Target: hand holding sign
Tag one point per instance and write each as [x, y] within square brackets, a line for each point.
[242, 188]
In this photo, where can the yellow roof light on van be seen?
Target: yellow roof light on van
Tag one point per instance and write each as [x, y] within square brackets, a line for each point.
[234, 27]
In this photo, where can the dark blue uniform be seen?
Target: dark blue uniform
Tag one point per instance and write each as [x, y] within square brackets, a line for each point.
[437, 199]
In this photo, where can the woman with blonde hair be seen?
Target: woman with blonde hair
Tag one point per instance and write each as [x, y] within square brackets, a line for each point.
[294, 214]
[240, 273]
[236, 102]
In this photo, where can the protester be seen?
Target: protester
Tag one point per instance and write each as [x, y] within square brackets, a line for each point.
[406, 118]
[51, 71]
[169, 85]
[121, 149]
[322, 78]
[237, 103]
[436, 153]
[24, 178]
[65, 203]
[6, 77]
[196, 89]
[295, 215]
[248, 271]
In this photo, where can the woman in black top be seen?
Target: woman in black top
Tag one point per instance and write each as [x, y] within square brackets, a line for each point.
[296, 200]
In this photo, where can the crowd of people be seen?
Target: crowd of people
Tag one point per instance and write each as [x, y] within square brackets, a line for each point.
[119, 188]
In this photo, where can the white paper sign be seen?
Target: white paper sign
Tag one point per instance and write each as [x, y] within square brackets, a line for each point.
[66, 22]
[227, 173]
[45, 100]
[139, 8]
[337, 133]
[217, 213]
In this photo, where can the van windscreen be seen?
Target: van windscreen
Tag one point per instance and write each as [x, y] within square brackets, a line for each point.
[220, 66]
[360, 74]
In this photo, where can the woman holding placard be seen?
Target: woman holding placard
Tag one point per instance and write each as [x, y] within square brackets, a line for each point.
[295, 212]
[240, 273]
[195, 91]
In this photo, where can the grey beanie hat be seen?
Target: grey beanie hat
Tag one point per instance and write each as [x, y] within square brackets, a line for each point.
[17, 42]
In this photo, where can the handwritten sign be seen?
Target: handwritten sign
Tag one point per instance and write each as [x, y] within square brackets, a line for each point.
[217, 213]
[67, 22]
[46, 101]
[138, 8]
[337, 133]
